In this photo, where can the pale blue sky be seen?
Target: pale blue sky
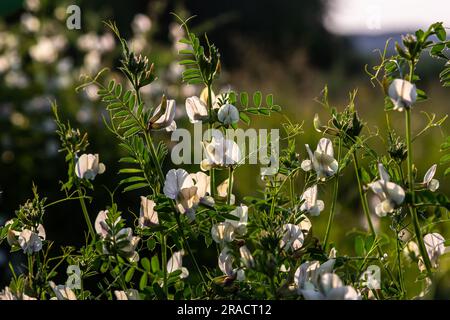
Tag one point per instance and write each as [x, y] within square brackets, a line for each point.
[384, 16]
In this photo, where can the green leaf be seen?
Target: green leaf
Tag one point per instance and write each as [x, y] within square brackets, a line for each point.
[135, 187]
[244, 99]
[131, 132]
[151, 244]
[132, 102]
[445, 159]
[129, 275]
[155, 264]
[244, 118]
[257, 97]
[145, 264]
[130, 170]
[269, 100]
[143, 281]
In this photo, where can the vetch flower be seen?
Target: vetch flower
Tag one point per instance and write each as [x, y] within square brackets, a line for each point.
[246, 257]
[222, 191]
[330, 287]
[307, 275]
[30, 241]
[311, 204]
[148, 216]
[176, 263]
[180, 187]
[101, 227]
[293, 237]
[222, 232]
[322, 160]
[220, 153]
[163, 116]
[435, 246]
[88, 166]
[130, 294]
[428, 181]
[202, 182]
[390, 194]
[225, 263]
[196, 109]
[62, 292]
[240, 225]
[402, 93]
[228, 114]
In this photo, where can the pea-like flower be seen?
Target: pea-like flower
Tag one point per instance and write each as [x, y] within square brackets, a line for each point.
[180, 187]
[147, 215]
[293, 237]
[62, 292]
[225, 263]
[196, 109]
[31, 241]
[220, 153]
[88, 166]
[228, 114]
[402, 93]
[331, 287]
[8, 294]
[435, 246]
[222, 232]
[176, 263]
[428, 181]
[311, 204]
[163, 116]
[390, 194]
[202, 182]
[130, 294]
[240, 225]
[322, 160]
[222, 191]
[246, 257]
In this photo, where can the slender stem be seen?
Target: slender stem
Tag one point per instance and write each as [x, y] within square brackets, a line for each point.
[292, 190]
[335, 193]
[85, 213]
[412, 208]
[400, 270]
[211, 171]
[164, 262]
[363, 197]
[230, 184]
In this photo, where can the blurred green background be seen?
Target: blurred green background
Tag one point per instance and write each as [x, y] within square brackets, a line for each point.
[281, 47]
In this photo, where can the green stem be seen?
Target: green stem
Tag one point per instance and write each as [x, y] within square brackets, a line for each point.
[211, 171]
[230, 184]
[412, 208]
[163, 242]
[333, 203]
[85, 213]
[400, 270]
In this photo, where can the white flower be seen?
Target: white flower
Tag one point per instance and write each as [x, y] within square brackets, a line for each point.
[293, 237]
[196, 109]
[222, 232]
[322, 161]
[88, 166]
[126, 244]
[202, 182]
[30, 241]
[389, 193]
[130, 294]
[331, 288]
[428, 181]
[246, 257]
[163, 116]
[220, 153]
[240, 226]
[228, 114]
[62, 292]
[101, 227]
[225, 263]
[147, 216]
[179, 186]
[402, 93]
[46, 49]
[7, 294]
[222, 191]
[176, 263]
[307, 275]
[141, 23]
[435, 246]
[311, 203]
